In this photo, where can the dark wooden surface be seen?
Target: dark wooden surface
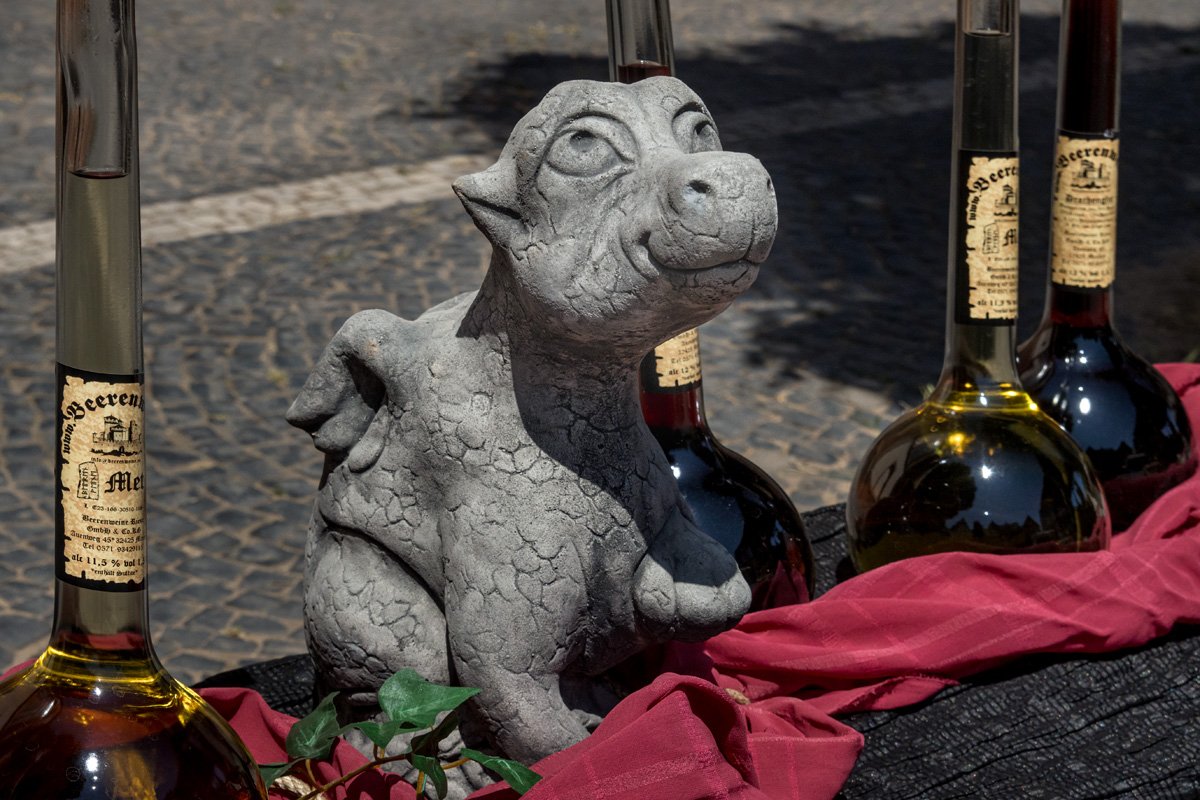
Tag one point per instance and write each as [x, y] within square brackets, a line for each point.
[1120, 725]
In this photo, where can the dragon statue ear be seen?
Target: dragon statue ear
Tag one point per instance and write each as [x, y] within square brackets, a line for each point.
[490, 197]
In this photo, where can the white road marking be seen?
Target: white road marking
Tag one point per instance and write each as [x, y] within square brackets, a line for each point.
[32, 245]
[28, 246]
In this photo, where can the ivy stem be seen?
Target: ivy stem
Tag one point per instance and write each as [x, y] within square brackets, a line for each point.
[333, 784]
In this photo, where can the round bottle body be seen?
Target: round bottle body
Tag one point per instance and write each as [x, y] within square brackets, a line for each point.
[740, 506]
[958, 474]
[115, 729]
[1117, 407]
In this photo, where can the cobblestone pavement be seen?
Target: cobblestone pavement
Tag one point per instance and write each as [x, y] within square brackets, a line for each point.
[296, 160]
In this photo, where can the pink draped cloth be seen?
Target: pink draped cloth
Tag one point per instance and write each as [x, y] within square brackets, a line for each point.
[750, 713]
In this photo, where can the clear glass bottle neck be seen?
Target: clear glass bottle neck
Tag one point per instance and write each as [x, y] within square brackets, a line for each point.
[985, 76]
[98, 265]
[98, 228]
[980, 354]
[639, 39]
[93, 620]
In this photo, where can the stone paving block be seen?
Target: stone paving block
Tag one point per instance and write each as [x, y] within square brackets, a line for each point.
[19, 629]
[230, 640]
[274, 579]
[177, 639]
[20, 556]
[289, 529]
[197, 592]
[32, 469]
[814, 451]
[169, 613]
[163, 549]
[260, 603]
[266, 554]
[40, 574]
[869, 419]
[216, 542]
[191, 668]
[211, 618]
[168, 525]
[257, 625]
[169, 460]
[199, 507]
[208, 568]
[772, 433]
[35, 606]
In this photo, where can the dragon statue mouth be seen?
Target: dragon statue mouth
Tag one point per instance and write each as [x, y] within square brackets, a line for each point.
[729, 271]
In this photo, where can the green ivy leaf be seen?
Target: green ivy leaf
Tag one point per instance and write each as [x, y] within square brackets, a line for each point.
[427, 743]
[433, 769]
[520, 777]
[407, 697]
[381, 733]
[270, 772]
[313, 736]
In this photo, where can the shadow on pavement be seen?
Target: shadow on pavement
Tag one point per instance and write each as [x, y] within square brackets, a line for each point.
[854, 289]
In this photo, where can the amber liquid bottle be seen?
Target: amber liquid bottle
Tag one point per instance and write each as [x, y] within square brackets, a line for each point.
[96, 717]
[1116, 405]
[978, 467]
[732, 499]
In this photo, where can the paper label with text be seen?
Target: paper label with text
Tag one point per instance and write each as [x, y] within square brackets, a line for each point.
[676, 363]
[991, 237]
[102, 480]
[1084, 213]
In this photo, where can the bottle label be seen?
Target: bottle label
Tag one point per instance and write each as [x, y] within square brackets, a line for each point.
[673, 366]
[1084, 213]
[992, 212]
[102, 483]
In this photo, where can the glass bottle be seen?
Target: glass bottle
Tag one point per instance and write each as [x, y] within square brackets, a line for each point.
[978, 467]
[1116, 405]
[732, 499]
[96, 715]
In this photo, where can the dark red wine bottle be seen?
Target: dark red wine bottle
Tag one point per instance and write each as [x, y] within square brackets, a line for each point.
[1116, 405]
[732, 500]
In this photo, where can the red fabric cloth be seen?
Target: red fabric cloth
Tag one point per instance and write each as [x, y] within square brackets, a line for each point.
[892, 637]
[264, 731]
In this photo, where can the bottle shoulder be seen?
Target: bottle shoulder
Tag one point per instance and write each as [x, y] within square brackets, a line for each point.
[972, 478]
[977, 438]
[702, 463]
[736, 503]
[57, 727]
[1062, 354]
[1102, 392]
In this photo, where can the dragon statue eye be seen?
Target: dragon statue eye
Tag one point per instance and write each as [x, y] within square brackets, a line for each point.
[695, 132]
[581, 153]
